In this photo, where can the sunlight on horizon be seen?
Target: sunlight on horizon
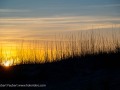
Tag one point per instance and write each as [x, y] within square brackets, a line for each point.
[6, 64]
[14, 52]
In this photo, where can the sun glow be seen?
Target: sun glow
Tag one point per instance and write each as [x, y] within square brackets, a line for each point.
[7, 54]
[7, 63]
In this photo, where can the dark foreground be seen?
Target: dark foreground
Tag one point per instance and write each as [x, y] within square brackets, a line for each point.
[90, 72]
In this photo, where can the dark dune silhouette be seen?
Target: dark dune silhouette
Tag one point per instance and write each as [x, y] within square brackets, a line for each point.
[90, 72]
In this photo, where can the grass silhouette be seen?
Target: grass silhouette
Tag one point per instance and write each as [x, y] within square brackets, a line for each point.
[61, 47]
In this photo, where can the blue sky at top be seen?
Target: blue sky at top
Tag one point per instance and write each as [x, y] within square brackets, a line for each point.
[47, 8]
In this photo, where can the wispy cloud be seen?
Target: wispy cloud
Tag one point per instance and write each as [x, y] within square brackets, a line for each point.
[41, 26]
[104, 5]
[81, 7]
[59, 20]
[12, 10]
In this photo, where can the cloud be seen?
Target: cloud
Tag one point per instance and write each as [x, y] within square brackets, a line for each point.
[104, 5]
[12, 10]
[81, 7]
[35, 27]
[58, 20]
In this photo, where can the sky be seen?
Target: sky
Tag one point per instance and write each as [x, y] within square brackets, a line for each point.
[34, 19]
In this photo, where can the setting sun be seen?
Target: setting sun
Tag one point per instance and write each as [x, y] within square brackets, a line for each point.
[7, 63]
